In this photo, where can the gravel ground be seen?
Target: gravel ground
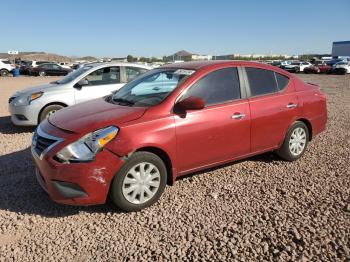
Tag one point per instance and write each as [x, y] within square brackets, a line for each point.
[257, 209]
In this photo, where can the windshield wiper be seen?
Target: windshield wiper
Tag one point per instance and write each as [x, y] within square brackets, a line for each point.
[123, 101]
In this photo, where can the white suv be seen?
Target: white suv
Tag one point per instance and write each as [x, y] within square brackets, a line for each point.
[5, 67]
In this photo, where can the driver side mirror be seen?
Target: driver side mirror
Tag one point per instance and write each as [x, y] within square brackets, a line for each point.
[189, 103]
[82, 82]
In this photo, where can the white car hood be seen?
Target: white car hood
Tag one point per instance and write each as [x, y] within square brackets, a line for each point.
[35, 89]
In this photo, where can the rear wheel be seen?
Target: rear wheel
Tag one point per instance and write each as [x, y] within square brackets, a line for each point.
[42, 73]
[48, 111]
[139, 183]
[295, 142]
[3, 72]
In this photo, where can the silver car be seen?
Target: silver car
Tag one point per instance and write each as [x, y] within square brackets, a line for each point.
[32, 105]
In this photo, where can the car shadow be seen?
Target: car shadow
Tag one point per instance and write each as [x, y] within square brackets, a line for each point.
[21, 193]
[6, 127]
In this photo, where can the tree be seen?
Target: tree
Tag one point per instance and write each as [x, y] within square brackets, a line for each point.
[143, 59]
[130, 58]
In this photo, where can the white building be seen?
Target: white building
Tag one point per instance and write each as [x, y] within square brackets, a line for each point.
[201, 57]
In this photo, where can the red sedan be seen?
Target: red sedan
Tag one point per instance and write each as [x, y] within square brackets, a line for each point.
[171, 121]
[319, 69]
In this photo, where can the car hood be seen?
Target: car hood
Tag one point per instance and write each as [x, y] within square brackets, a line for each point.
[35, 89]
[92, 115]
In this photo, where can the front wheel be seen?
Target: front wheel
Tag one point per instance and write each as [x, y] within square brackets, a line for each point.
[48, 111]
[139, 183]
[42, 73]
[295, 142]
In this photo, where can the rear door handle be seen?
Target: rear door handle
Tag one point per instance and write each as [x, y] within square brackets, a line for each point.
[238, 116]
[291, 105]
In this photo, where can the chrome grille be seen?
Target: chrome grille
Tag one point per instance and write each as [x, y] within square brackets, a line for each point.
[42, 142]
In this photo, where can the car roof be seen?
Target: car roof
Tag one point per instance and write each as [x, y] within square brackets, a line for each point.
[198, 65]
[103, 64]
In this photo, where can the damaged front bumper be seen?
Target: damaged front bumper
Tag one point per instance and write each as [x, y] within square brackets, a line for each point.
[78, 183]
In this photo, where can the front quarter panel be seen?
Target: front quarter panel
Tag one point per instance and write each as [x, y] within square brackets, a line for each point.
[64, 95]
[158, 132]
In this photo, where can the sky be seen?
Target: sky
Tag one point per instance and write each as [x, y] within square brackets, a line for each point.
[157, 28]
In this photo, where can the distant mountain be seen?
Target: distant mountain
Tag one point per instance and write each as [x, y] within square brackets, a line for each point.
[182, 53]
[86, 58]
[38, 56]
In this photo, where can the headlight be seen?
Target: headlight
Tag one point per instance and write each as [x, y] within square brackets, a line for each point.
[86, 148]
[25, 100]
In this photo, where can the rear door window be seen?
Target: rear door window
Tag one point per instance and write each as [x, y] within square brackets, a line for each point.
[282, 81]
[104, 76]
[261, 81]
[133, 72]
[56, 67]
[46, 66]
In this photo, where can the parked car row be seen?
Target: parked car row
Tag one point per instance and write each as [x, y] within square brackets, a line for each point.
[6, 67]
[38, 68]
[335, 66]
[296, 67]
[130, 140]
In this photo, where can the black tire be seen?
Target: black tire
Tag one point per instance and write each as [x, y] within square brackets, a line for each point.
[116, 193]
[4, 72]
[49, 110]
[284, 151]
[42, 73]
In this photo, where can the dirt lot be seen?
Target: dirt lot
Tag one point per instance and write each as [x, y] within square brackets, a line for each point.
[258, 209]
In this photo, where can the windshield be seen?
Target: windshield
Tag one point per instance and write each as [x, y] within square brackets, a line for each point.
[341, 63]
[73, 75]
[151, 88]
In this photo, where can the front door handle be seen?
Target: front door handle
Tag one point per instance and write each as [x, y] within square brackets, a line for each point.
[238, 116]
[291, 105]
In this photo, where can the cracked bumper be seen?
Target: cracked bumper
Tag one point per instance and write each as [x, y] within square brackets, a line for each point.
[78, 183]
